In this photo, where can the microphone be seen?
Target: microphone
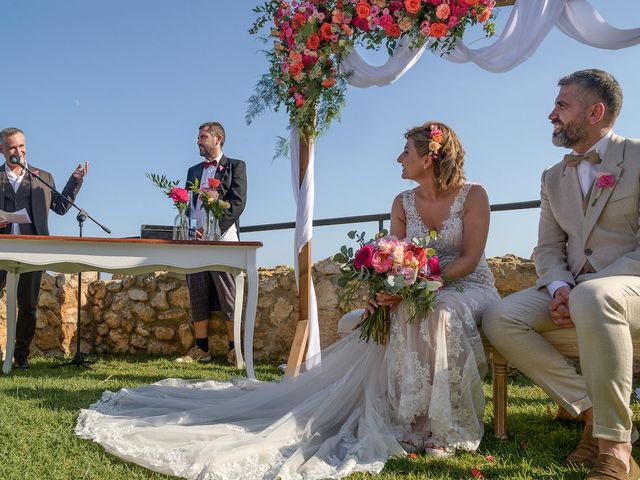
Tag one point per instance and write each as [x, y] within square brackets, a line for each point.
[15, 159]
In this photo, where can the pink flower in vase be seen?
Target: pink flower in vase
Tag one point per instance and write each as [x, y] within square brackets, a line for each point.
[178, 194]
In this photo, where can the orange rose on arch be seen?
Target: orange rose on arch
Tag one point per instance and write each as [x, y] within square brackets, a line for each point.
[313, 42]
[394, 30]
[295, 69]
[438, 30]
[412, 6]
[363, 9]
[328, 82]
[326, 32]
[298, 21]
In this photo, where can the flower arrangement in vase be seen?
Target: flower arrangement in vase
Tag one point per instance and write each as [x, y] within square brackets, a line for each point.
[180, 198]
[213, 205]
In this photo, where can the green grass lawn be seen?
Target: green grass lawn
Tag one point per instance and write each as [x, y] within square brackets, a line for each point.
[38, 410]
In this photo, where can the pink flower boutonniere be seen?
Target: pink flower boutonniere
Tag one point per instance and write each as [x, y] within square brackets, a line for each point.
[36, 173]
[603, 180]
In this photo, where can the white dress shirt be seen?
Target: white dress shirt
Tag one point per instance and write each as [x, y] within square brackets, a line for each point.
[586, 175]
[15, 181]
[231, 235]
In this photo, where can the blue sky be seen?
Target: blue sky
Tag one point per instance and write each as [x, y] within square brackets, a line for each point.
[124, 84]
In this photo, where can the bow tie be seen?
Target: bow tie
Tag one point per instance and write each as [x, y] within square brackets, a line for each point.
[207, 164]
[591, 157]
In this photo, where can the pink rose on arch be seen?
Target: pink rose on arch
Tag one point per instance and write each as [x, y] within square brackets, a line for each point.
[363, 257]
[178, 194]
[434, 265]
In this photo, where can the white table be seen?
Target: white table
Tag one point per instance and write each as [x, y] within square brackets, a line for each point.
[27, 253]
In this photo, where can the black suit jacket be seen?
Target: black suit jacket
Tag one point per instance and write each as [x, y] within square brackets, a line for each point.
[43, 199]
[232, 174]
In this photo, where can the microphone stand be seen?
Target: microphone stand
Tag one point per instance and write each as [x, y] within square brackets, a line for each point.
[79, 358]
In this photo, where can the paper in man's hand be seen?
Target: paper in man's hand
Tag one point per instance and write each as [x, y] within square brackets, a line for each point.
[21, 216]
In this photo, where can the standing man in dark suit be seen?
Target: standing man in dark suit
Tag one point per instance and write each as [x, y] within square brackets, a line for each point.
[211, 291]
[18, 190]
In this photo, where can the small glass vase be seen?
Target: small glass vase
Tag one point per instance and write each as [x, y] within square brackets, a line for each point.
[181, 226]
[211, 228]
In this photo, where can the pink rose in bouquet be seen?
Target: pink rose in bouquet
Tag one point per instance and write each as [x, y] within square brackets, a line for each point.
[434, 265]
[363, 257]
[408, 269]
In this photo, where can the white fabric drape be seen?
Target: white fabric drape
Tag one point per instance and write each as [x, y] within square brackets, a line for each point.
[304, 197]
[527, 26]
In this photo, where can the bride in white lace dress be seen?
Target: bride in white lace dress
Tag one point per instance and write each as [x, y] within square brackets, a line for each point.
[366, 402]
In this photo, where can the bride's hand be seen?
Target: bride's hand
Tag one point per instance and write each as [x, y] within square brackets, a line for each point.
[382, 298]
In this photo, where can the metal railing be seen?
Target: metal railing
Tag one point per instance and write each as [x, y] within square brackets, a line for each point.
[378, 217]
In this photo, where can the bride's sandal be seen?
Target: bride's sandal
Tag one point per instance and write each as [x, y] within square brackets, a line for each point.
[412, 444]
[433, 450]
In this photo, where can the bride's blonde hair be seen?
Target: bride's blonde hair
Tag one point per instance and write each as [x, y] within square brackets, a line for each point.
[448, 157]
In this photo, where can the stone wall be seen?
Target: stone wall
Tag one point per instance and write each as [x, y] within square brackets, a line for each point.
[150, 313]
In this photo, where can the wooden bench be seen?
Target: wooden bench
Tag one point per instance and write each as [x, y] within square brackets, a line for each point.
[564, 340]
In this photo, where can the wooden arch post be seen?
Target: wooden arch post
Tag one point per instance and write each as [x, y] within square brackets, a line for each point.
[301, 336]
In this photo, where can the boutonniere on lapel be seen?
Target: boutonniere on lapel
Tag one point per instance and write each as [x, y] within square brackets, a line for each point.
[35, 173]
[220, 168]
[603, 180]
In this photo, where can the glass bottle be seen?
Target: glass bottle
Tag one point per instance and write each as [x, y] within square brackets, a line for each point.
[191, 215]
[211, 228]
[180, 225]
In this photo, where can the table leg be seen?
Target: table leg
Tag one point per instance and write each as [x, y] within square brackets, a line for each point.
[237, 318]
[250, 315]
[12, 296]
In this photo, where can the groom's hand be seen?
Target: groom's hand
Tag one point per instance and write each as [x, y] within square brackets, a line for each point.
[559, 308]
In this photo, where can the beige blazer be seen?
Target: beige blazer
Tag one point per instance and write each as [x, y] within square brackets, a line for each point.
[606, 233]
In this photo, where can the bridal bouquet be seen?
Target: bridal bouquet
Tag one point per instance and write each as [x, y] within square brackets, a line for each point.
[179, 196]
[408, 269]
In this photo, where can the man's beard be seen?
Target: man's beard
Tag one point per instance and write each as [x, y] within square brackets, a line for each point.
[569, 135]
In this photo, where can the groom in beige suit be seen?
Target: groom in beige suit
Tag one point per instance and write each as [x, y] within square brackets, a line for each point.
[588, 265]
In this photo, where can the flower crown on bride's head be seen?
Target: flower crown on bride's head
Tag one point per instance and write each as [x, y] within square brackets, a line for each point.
[435, 144]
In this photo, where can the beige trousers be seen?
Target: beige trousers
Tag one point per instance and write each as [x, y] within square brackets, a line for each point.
[606, 314]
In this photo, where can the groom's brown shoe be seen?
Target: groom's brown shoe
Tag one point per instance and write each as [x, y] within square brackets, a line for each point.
[586, 452]
[610, 468]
